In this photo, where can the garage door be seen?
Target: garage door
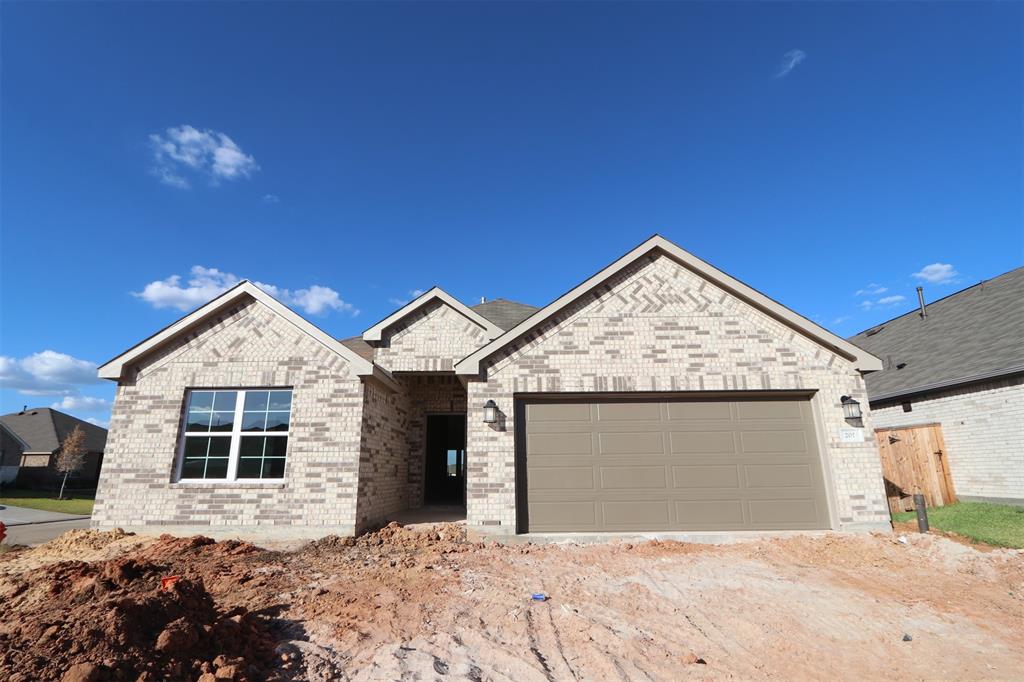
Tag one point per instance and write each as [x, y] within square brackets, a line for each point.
[689, 465]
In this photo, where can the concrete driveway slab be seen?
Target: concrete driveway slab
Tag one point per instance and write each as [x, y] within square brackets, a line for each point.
[33, 534]
[18, 516]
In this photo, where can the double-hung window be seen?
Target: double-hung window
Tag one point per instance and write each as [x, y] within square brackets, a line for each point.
[235, 435]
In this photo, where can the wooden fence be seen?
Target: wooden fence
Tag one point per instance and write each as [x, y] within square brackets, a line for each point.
[914, 461]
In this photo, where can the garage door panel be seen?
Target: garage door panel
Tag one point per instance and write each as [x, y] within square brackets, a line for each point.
[632, 443]
[688, 411]
[673, 465]
[636, 513]
[633, 477]
[702, 442]
[705, 476]
[562, 478]
[629, 411]
[711, 514]
[779, 475]
[773, 441]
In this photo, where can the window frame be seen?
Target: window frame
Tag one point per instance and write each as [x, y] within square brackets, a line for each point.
[236, 434]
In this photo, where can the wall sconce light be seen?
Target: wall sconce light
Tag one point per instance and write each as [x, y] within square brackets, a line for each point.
[851, 408]
[490, 412]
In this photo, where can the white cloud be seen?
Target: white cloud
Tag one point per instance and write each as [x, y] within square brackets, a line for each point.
[936, 273]
[206, 153]
[46, 373]
[102, 423]
[841, 319]
[413, 294]
[86, 403]
[866, 305]
[271, 199]
[871, 290]
[891, 300]
[205, 284]
[790, 60]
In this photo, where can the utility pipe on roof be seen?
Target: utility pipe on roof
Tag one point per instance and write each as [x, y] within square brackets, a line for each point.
[920, 301]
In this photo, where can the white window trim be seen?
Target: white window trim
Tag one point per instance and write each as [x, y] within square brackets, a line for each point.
[236, 434]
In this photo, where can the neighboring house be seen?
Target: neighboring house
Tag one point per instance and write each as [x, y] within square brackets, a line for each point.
[961, 365]
[659, 395]
[30, 440]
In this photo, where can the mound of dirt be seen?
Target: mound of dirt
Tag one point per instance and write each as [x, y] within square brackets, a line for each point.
[118, 620]
[445, 538]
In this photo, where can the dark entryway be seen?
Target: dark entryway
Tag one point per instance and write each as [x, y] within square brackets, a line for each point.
[446, 460]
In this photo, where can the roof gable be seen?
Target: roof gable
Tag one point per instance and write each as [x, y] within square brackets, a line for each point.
[504, 313]
[971, 335]
[862, 360]
[375, 333]
[112, 369]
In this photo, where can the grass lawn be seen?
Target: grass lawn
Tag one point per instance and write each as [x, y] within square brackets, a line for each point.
[994, 524]
[80, 502]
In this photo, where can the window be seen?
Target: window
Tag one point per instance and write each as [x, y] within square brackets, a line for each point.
[236, 435]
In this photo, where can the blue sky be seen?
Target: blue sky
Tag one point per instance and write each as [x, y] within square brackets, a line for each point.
[349, 154]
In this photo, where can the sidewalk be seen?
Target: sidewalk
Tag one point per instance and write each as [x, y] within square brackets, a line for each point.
[22, 516]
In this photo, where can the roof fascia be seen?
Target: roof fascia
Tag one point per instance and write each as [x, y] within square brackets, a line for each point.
[376, 332]
[863, 361]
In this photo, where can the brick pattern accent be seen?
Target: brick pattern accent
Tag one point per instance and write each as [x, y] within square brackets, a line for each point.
[983, 427]
[432, 339]
[247, 346]
[657, 326]
[383, 460]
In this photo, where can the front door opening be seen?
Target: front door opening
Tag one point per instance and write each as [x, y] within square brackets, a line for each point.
[446, 460]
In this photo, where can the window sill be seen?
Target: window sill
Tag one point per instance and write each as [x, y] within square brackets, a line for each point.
[229, 485]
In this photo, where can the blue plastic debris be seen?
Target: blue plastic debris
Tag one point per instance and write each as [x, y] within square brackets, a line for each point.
[539, 596]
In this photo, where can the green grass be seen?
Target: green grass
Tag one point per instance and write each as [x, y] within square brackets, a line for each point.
[80, 502]
[994, 524]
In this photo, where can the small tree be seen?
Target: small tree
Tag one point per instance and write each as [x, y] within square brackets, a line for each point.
[71, 457]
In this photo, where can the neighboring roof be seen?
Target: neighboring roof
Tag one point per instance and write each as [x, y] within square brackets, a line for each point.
[504, 313]
[862, 360]
[974, 334]
[42, 429]
[375, 332]
[361, 366]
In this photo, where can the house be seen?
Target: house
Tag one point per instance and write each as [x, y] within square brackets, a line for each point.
[30, 440]
[661, 394]
[959, 362]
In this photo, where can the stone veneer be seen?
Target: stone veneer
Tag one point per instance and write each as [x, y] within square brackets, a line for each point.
[983, 428]
[247, 346]
[430, 339]
[657, 326]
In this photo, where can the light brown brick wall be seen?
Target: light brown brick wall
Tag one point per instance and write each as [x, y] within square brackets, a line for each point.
[384, 457]
[248, 346]
[430, 340]
[427, 394]
[659, 327]
[983, 428]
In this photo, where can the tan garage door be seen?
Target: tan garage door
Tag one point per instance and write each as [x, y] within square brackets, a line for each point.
[649, 465]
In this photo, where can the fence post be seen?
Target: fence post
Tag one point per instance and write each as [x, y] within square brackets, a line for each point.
[922, 513]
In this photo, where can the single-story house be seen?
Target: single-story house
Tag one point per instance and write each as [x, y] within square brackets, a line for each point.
[661, 394]
[959, 363]
[30, 441]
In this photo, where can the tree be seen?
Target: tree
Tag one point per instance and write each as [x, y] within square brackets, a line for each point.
[71, 457]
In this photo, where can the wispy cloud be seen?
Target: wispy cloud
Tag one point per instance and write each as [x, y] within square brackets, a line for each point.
[102, 423]
[871, 290]
[205, 284]
[841, 319]
[790, 60]
[271, 199]
[184, 151]
[413, 294]
[46, 373]
[936, 273]
[884, 302]
[891, 300]
[84, 403]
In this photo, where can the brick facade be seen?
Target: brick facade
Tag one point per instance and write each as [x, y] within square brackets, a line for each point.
[431, 339]
[983, 428]
[656, 326]
[246, 346]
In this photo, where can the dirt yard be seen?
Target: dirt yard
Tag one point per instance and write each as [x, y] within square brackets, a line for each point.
[430, 605]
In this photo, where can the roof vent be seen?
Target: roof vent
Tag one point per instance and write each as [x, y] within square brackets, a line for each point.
[920, 302]
[872, 332]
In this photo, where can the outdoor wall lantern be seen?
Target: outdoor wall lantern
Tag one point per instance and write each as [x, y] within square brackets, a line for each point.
[490, 412]
[851, 408]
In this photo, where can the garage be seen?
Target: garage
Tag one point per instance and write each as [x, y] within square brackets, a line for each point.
[694, 463]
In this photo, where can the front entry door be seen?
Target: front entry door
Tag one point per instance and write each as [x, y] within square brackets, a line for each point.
[446, 460]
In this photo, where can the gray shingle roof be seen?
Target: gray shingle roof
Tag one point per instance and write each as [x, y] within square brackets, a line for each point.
[973, 334]
[43, 429]
[362, 348]
[505, 314]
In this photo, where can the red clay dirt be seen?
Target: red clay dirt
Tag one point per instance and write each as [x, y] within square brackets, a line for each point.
[428, 604]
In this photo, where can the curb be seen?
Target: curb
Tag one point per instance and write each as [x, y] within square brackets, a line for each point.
[37, 523]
